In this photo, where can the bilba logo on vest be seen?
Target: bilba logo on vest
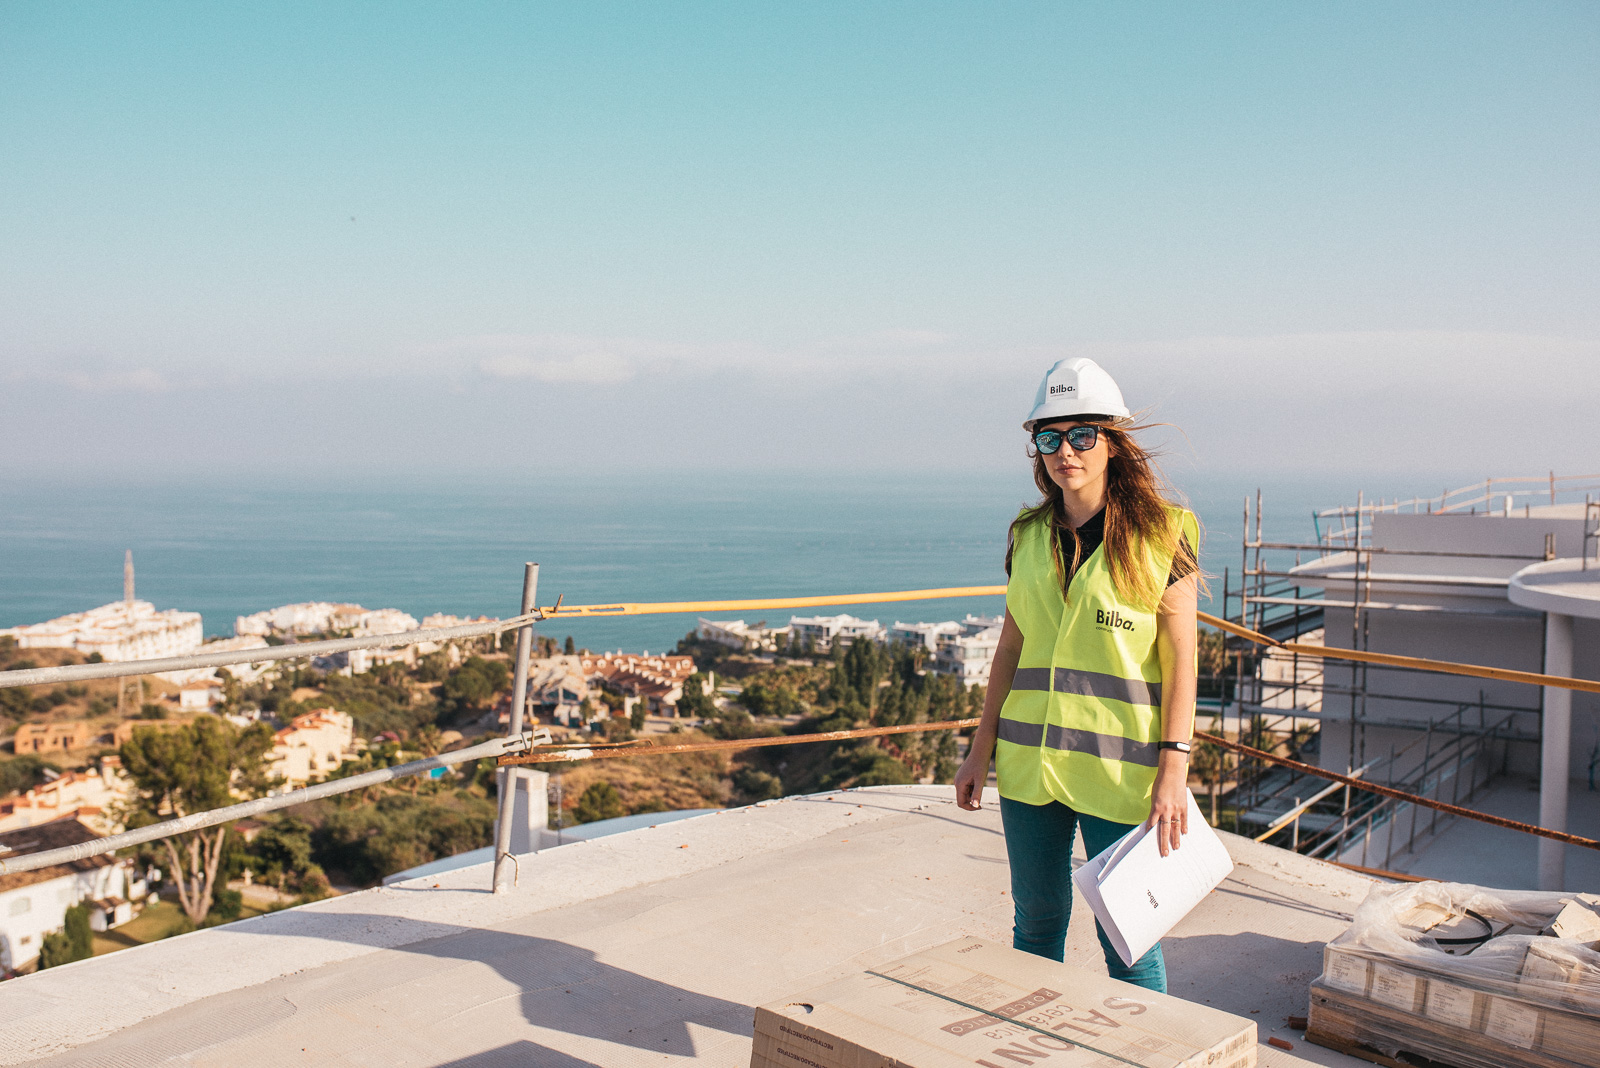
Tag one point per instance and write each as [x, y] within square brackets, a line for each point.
[1112, 619]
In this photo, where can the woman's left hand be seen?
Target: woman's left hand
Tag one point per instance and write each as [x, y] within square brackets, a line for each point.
[1169, 802]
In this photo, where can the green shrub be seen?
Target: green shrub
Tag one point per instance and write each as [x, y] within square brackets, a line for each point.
[226, 905]
[600, 801]
[366, 842]
[74, 942]
[864, 766]
[181, 925]
[752, 785]
[56, 950]
[79, 933]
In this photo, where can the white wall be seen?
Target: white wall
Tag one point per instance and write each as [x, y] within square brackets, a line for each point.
[28, 913]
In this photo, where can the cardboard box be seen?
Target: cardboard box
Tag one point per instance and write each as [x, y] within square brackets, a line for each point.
[1554, 974]
[973, 1004]
[1579, 920]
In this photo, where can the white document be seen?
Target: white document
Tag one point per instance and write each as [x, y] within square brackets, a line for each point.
[1138, 895]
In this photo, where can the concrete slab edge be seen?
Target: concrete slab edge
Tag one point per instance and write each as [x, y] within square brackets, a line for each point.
[49, 1012]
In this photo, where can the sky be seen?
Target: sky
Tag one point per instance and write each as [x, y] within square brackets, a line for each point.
[406, 240]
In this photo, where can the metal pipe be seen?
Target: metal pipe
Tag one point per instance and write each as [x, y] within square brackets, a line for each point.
[1401, 552]
[193, 822]
[506, 777]
[1392, 606]
[1302, 806]
[1317, 579]
[109, 670]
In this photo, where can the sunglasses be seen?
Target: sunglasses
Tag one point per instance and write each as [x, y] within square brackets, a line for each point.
[1082, 439]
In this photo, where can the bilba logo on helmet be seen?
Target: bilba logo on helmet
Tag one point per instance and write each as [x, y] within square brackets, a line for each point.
[1112, 619]
[1062, 389]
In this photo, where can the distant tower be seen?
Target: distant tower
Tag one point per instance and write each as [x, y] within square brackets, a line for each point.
[130, 689]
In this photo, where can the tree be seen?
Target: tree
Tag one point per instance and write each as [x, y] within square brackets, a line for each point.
[600, 801]
[471, 685]
[282, 852]
[695, 701]
[194, 768]
[16, 701]
[568, 646]
[771, 698]
[23, 772]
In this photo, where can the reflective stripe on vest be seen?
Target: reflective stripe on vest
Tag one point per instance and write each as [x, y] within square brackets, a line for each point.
[1068, 740]
[1089, 684]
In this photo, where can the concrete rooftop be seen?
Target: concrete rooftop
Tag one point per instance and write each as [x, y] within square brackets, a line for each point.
[649, 947]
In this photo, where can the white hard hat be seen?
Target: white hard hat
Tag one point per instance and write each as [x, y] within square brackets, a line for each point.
[1075, 387]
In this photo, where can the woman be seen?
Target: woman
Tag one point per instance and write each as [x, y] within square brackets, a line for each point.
[1090, 705]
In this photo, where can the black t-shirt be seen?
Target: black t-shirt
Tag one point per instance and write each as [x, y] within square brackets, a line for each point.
[1093, 532]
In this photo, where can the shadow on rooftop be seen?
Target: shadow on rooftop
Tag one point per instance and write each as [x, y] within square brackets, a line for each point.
[564, 987]
[519, 1055]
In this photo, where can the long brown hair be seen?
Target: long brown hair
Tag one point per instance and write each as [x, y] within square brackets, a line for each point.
[1138, 527]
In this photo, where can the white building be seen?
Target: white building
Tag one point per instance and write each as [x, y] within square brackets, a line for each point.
[321, 617]
[35, 903]
[558, 685]
[927, 635]
[1446, 607]
[242, 672]
[969, 655]
[96, 796]
[737, 634]
[823, 631]
[311, 746]
[201, 695]
[119, 631]
[1467, 586]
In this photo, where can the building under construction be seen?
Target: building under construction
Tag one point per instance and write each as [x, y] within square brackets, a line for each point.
[1502, 573]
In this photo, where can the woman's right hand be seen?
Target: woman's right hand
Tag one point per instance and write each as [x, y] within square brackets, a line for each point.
[971, 779]
[974, 773]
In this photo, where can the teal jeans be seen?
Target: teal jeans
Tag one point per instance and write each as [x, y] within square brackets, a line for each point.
[1039, 844]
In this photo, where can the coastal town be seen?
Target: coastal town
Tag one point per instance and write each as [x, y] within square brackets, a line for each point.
[64, 777]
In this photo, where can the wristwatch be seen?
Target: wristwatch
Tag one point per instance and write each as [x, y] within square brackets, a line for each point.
[1182, 747]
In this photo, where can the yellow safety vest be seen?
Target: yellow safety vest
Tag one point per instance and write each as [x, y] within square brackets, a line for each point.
[1083, 719]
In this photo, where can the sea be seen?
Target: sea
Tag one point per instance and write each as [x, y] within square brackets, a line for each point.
[232, 546]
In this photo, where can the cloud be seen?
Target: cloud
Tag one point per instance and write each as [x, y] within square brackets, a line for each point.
[904, 339]
[142, 380]
[589, 368]
[568, 359]
[1361, 359]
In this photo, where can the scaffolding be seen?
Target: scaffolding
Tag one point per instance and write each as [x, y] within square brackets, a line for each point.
[1279, 700]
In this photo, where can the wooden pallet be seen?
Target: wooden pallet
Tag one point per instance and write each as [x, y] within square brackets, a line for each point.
[1351, 1024]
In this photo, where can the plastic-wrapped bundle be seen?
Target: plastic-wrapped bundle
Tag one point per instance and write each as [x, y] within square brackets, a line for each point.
[1466, 975]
